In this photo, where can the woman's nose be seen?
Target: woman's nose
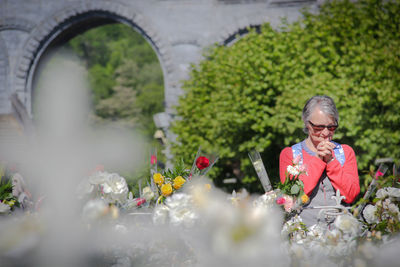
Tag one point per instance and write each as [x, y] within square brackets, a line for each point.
[325, 132]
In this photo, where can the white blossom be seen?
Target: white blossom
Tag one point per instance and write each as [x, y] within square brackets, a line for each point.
[382, 193]
[292, 170]
[181, 210]
[348, 224]
[115, 188]
[148, 194]
[393, 192]
[369, 214]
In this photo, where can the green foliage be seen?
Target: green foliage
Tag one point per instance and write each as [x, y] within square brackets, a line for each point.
[251, 94]
[125, 76]
[179, 170]
[6, 188]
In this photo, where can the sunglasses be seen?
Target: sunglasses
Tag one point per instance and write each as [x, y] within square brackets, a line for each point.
[319, 128]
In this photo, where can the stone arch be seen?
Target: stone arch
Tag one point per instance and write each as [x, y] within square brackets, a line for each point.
[228, 35]
[52, 27]
[12, 23]
[9, 24]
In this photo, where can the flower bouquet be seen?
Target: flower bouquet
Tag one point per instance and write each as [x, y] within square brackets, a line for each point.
[8, 200]
[291, 194]
[170, 181]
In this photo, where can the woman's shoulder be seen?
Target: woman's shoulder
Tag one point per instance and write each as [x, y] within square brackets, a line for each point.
[286, 151]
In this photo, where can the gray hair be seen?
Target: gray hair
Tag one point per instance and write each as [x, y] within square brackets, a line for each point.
[324, 103]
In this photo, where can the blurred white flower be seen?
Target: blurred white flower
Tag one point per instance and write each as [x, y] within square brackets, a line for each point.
[110, 186]
[181, 209]
[348, 224]
[393, 192]
[148, 194]
[115, 188]
[295, 228]
[393, 208]
[316, 232]
[94, 209]
[382, 193]
[369, 214]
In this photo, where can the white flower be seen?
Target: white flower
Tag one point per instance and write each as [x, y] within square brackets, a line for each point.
[148, 194]
[94, 209]
[4, 208]
[393, 208]
[316, 232]
[115, 188]
[369, 214]
[98, 178]
[382, 193]
[348, 224]
[292, 170]
[393, 192]
[181, 210]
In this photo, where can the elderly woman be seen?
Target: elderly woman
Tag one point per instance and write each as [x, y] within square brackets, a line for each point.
[330, 166]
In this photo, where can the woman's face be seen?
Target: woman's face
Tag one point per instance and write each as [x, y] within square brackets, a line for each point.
[316, 126]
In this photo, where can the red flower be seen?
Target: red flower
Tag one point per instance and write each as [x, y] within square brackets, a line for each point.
[378, 174]
[280, 200]
[140, 201]
[153, 159]
[202, 163]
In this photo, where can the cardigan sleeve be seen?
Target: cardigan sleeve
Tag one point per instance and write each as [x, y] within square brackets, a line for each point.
[345, 178]
[314, 168]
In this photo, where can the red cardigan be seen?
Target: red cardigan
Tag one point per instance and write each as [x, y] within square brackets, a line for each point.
[343, 178]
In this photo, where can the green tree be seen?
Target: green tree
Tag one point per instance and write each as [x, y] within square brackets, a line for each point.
[250, 95]
[125, 76]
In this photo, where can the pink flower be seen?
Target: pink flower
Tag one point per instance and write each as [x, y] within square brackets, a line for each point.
[289, 203]
[297, 159]
[140, 201]
[280, 200]
[153, 159]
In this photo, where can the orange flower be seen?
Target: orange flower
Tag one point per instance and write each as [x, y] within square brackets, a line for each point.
[304, 199]
[178, 182]
[166, 189]
[158, 178]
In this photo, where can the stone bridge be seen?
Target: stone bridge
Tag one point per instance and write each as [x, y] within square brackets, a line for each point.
[178, 31]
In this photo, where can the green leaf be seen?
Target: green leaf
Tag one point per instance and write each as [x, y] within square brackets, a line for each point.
[295, 189]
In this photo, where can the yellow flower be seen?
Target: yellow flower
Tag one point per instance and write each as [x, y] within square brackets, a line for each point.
[158, 178]
[166, 189]
[304, 199]
[178, 182]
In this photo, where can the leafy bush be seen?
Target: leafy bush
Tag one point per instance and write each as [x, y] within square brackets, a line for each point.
[250, 95]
